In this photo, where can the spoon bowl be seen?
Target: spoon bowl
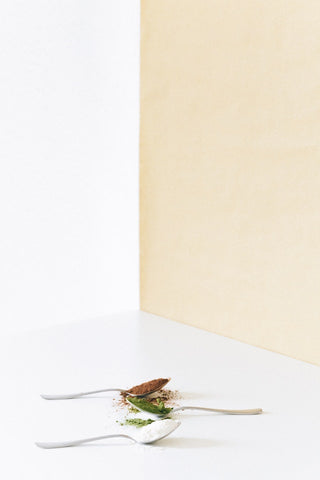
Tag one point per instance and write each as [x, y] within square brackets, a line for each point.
[149, 391]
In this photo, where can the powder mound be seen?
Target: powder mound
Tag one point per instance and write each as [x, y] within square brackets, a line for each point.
[146, 387]
[156, 430]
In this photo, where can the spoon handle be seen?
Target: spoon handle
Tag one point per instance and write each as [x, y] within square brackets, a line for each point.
[250, 411]
[74, 443]
[81, 394]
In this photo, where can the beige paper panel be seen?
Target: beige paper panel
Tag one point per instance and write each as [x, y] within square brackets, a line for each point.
[230, 168]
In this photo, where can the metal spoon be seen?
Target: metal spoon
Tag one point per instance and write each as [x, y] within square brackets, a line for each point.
[137, 439]
[82, 394]
[250, 411]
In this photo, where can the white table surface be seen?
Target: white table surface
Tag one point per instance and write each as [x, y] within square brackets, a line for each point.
[209, 370]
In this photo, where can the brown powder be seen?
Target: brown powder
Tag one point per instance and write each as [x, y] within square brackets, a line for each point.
[168, 397]
[146, 387]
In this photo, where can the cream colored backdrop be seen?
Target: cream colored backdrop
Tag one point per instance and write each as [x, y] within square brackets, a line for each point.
[230, 168]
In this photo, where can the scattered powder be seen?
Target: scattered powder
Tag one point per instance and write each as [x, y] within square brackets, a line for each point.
[127, 413]
[168, 397]
[137, 422]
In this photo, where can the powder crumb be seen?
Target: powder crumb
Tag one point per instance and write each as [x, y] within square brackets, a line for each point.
[170, 398]
[137, 422]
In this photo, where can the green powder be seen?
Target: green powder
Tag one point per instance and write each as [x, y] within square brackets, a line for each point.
[133, 410]
[137, 422]
[142, 404]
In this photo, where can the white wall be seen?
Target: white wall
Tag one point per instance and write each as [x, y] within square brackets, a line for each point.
[68, 160]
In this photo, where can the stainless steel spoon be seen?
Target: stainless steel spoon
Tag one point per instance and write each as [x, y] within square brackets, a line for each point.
[138, 438]
[250, 411]
[82, 394]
